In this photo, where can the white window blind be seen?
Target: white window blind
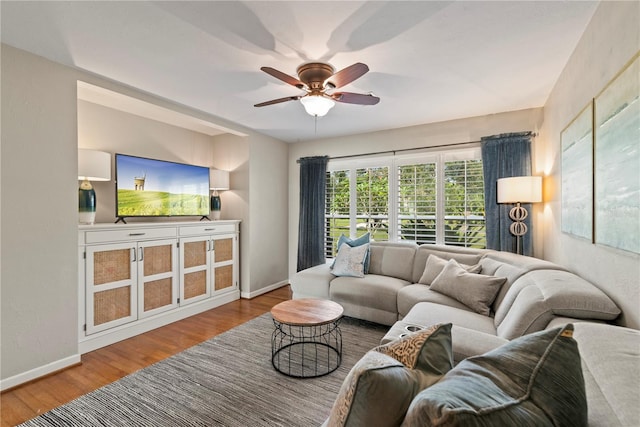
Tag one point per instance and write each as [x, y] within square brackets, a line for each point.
[372, 202]
[435, 198]
[464, 223]
[337, 209]
[417, 202]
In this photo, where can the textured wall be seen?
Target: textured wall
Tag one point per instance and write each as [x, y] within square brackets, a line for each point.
[39, 214]
[609, 42]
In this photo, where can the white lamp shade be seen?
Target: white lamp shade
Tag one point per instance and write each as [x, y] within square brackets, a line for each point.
[218, 179]
[520, 189]
[94, 165]
[317, 105]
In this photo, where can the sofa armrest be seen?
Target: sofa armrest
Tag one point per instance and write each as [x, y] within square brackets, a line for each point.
[312, 282]
[610, 356]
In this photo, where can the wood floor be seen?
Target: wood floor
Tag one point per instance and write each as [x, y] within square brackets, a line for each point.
[113, 362]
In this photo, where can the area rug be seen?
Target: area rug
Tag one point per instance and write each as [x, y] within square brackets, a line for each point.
[225, 381]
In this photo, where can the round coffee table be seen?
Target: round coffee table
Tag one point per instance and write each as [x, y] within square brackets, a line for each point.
[307, 341]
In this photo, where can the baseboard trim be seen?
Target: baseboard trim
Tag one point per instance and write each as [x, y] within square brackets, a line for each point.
[39, 372]
[249, 295]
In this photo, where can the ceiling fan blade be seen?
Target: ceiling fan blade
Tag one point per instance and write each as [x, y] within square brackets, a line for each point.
[347, 75]
[278, 101]
[284, 77]
[355, 98]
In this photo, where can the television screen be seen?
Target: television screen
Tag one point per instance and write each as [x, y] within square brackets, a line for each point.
[148, 187]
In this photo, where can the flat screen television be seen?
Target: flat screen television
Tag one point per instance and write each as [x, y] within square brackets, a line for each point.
[152, 188]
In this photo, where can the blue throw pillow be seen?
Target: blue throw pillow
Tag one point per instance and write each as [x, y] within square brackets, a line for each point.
[535, 380]
[362, 240]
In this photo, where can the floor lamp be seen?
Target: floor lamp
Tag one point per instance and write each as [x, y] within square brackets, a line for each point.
[519, 189]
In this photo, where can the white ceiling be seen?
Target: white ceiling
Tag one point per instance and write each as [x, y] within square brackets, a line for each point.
[429, 61]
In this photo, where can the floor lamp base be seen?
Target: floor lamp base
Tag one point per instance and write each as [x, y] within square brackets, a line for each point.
[518, 228]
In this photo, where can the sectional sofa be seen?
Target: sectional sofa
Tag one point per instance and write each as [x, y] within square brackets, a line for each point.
[490, 298]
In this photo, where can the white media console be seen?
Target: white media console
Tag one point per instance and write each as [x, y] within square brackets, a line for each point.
[137, 277]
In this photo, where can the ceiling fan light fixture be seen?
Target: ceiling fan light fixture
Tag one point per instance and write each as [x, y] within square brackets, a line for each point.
[317, 105]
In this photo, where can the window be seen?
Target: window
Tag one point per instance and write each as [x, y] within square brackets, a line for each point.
[372, 202]
[429, 198]
[464, 204]
[337, 209]
[417, 202]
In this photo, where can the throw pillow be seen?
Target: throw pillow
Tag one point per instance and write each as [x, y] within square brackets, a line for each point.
[534, 380]
[350, 261]
[435, 265]
[380, 387]
[362, 240]
[476, 291]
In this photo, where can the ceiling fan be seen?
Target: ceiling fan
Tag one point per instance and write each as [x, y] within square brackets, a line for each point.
[319, 80]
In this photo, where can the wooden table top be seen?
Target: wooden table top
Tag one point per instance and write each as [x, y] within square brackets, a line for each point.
[307, 312]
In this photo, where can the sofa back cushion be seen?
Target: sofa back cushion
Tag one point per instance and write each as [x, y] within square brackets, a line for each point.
[465, 256]
[392, 259]
[540, 295]
[511, 266]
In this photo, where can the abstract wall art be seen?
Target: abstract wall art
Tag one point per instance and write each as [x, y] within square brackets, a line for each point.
[617, 161]
[577, 175]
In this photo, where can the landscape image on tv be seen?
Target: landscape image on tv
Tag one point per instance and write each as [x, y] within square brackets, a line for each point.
[147, 187]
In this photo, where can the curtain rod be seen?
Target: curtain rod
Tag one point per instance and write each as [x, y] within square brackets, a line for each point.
[402, 150]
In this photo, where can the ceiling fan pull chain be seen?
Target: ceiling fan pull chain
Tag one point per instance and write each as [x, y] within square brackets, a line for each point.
[315, 124]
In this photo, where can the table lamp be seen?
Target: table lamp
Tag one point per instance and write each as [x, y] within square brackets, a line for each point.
[92, 166]
[218, 181]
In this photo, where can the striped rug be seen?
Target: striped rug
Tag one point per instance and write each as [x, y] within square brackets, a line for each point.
[226, 381]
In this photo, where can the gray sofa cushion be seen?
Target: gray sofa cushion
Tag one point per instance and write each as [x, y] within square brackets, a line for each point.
[392, 259]
[539, 296]
[535, 380]
[371, 291]
[469, 342]
[611, 370]
[412, 294]
[428, 313]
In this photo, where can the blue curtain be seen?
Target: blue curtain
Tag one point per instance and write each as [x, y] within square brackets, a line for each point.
[504, 156]
[312, 204]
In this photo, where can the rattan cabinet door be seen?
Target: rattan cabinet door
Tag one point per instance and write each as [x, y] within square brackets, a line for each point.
[195, 275]
[111, 295]
[224, 262]
[157, 277]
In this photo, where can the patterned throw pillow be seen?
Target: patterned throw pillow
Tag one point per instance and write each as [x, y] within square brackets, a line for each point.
[380, 387]
[535, 380]
[350, 261]
[362, 240]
